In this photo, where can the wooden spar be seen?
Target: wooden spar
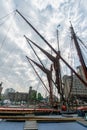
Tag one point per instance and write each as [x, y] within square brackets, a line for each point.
[54, 60]
[46, 53]
[79, 52]
[49, 77]
[37, 74]
[49, 80]
[52, 48]
[34, 51]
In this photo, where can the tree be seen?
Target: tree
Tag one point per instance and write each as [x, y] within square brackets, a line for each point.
[39, 97]
[34, 95]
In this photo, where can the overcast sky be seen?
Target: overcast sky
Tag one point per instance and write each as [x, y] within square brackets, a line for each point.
[15, 71]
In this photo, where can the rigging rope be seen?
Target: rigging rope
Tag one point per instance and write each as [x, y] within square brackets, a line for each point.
[84, 47]
[7, 15]
[2, 23]
[83, 52]
[82, 42]
[6, 34]
[4, 42]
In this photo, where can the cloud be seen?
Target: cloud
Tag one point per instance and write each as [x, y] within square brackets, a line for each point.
[15, 71]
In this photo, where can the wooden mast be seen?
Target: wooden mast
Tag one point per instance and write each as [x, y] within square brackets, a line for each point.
[57, 69]
[53, 59]
[52, 48]
[79, 52]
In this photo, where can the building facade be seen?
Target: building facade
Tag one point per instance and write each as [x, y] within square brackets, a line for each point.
[78, 90]
[20, 96]
[17, 96]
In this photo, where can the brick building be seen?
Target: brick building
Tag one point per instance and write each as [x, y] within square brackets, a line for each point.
[20, 96]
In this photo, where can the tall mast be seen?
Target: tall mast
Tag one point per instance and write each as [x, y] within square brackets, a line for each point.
[79, 52]
[52, 48]
[57, 67]
[58, 36]
[54, 60]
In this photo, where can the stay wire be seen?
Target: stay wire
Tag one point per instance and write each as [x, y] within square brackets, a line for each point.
[7, 15]
[83, 52]
[82, 42]
[6, 34]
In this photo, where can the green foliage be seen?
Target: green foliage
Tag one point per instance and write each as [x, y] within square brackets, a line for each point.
[39, 97]
[34, 96]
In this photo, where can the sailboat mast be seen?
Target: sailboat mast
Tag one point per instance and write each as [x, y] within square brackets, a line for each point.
[57, 66]
[79, 52]
[52, 48]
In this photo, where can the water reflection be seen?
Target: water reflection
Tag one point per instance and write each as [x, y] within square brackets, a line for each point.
[61, 126]
[6, 125]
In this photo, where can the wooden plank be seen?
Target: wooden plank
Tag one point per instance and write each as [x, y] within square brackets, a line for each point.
[82, 121]
[38, 118]
[30, 125]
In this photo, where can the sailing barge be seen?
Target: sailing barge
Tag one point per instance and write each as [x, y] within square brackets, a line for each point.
[56, 66]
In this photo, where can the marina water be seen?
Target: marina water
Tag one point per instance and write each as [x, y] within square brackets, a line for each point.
[6, 125]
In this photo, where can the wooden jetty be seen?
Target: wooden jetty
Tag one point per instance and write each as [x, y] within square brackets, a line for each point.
[39, 118]
[30, 125]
